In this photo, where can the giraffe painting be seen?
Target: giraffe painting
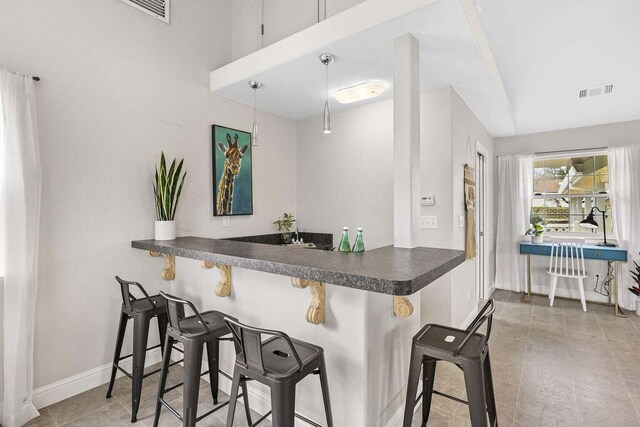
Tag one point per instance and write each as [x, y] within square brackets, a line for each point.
[232, 172]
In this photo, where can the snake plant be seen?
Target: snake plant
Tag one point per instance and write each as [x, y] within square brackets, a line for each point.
[167, 188]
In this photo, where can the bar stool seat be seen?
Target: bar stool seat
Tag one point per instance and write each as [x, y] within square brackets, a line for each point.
[435, 339]
[277, 360]
[469, 351]
[157, 305]
[191, 327]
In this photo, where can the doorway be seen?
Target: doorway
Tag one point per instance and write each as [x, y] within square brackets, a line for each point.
[481, 216]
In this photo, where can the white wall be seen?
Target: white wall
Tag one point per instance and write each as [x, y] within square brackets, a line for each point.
[451, 132]
[589, 137]
[346, 177]
[117, 88]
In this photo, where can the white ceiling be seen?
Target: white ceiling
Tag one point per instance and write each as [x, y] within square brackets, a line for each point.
[545, 51]
[449, 56]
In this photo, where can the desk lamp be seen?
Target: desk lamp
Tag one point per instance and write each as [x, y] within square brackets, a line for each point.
[590, 222]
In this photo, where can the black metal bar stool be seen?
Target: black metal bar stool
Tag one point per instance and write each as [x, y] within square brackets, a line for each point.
[194, 332]
[468, 350]
[141, 310]
[279, 362]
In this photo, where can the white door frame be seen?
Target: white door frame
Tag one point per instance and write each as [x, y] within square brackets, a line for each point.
[482, 293]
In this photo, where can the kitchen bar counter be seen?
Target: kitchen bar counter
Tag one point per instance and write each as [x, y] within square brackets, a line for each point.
[386, 270]
[317, 296]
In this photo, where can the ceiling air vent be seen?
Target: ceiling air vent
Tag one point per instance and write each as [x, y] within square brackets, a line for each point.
[155, 8]
[595, 91]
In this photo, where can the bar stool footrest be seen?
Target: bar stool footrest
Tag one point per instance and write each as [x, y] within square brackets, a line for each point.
[201, 417]
[448, 396]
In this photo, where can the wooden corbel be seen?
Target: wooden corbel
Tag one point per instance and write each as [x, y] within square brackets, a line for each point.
[402, 307]
[315, 312]
[224, 285]
[169, 272]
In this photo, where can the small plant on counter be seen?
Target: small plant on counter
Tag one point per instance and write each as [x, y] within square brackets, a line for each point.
[167, 188]
[285, 226]
[535, 231]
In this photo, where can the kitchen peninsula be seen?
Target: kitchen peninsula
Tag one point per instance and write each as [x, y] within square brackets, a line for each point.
[364, 309]
[386, 270]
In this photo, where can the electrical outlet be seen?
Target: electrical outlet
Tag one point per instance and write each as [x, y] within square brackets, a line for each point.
[225, 221]
[429, 222]
[461, 221]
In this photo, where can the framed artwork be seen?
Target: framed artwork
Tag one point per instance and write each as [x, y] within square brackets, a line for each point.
[232, 172]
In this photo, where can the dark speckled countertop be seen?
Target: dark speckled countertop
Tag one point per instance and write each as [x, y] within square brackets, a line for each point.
[386, 270]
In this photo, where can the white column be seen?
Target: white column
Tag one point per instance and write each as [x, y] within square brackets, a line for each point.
[406, 141]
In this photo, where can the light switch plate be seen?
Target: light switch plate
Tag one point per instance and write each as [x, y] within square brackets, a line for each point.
[461, 221]
[429, 222]
[225, 221]
[428, 201]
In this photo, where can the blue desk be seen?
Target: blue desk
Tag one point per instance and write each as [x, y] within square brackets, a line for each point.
[614, 255]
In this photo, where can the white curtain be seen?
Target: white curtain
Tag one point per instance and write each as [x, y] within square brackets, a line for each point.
[624, 187]
[515, 191]
[20, 208]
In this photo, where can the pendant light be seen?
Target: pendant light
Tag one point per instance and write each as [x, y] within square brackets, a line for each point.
[326, 59]
[255, 85]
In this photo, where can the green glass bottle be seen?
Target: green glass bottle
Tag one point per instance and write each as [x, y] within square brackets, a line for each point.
[358, 246]
[344, 242]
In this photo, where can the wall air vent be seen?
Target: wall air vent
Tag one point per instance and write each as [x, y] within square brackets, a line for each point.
[156, 8]
[595, 91]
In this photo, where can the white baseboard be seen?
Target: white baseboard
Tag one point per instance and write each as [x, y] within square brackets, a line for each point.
[491, 289]
[397, 418]
[76, 384]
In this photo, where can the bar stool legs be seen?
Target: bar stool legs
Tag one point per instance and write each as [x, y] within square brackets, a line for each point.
[491, 401]
[428, 379]
[166, 361]
[141, 323]
[213, 356]
[192, 367]
[412, 386]
[122, 328]
[140, 339]
[283, 404]
[475, 385]
[324, 384]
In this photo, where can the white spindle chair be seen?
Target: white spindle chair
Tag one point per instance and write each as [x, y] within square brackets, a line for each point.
[567, 260]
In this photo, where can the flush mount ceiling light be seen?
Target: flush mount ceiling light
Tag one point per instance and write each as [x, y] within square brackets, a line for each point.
[326, 59]
[255, 85]
[360, 92]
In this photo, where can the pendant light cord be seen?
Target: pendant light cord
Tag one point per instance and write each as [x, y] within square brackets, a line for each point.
[255, 97]
[326, 83]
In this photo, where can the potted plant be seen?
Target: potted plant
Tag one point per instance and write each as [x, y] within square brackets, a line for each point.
[636, 289]
[535, 231]
[285, 225]
[167, 188]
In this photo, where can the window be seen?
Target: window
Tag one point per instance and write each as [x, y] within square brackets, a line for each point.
[566, 188]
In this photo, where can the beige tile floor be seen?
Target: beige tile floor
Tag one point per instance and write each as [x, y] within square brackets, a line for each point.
[553, 366]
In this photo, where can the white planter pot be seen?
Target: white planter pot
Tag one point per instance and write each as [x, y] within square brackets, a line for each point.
[537, 239]
[165, 230]
[638, 307]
